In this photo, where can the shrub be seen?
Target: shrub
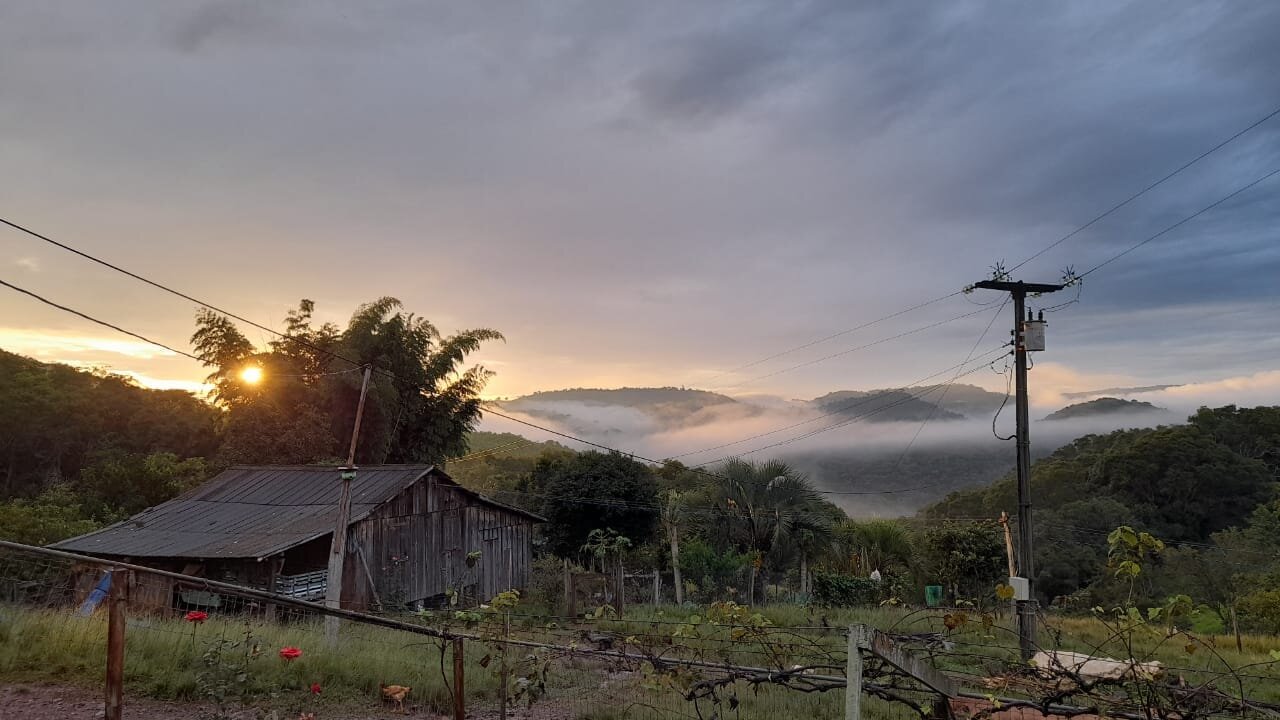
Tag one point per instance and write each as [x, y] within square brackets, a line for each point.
[832, 589]
[1260, 611]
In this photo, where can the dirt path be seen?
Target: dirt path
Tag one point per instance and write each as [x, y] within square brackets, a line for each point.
[64, 702]
[44, 702]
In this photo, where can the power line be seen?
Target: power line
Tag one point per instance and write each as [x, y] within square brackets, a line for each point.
[835, 426]
[874, 343]
[1148, 188]
[1179, 223]
[103, 323]
[172, 291]
[1098, 218]
[833, 336]
[938, 405]
[839, 409]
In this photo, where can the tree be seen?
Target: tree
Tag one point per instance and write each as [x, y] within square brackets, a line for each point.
[766, 503]
[967, 558]
[877, 544]
[422, 400]
[593, 491]
[54, 515]
[672, 519]
[55, 419]
[119, 484]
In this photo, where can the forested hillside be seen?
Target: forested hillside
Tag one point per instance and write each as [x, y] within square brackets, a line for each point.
[111, 444]
[1185, 484]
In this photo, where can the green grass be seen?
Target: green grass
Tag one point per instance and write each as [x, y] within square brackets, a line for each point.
[165, 658]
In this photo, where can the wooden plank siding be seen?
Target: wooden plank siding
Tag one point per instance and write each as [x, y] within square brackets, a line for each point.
[416, 545]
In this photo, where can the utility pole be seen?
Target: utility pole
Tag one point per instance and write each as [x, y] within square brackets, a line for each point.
[1025, 595]
[333, 584]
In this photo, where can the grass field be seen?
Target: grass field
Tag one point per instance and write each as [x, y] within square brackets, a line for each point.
[173, 659]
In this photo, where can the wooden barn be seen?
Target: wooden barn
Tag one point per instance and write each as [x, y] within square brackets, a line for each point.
[415, 537]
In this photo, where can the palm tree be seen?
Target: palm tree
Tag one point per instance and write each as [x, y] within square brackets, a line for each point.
[877, 543]
[770, 502]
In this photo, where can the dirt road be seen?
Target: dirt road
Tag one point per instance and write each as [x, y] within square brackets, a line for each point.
[64, 702]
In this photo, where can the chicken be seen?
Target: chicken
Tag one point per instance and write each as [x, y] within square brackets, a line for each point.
[395, 694]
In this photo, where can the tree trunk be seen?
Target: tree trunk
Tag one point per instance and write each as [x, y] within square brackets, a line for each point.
[751, 586]
[675, 564]
[804, 572]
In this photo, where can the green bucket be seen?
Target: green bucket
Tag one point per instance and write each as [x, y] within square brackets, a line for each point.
[933, 595]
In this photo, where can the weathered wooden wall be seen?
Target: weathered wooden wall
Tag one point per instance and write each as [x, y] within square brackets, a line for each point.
[415, 548]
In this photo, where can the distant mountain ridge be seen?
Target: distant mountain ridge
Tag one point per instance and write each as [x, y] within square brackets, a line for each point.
[631, 409]
[1104, 406]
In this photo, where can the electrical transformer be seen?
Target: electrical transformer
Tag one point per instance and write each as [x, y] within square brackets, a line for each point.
[1033, 333]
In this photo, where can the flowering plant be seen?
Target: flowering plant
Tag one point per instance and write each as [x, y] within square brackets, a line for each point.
[290, 653]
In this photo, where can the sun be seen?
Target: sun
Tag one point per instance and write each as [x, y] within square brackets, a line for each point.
[251, 375]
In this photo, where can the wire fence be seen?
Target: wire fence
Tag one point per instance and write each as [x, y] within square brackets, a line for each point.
[228, 648]
[224, 650]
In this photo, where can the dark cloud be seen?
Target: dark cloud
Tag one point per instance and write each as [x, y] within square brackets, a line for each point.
[647, 193]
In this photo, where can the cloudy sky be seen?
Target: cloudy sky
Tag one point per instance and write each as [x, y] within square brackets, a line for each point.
[651, 193]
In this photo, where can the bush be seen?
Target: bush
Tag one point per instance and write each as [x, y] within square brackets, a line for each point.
[710, 574]
[546, 583]
[1260, 611]
[832, 589]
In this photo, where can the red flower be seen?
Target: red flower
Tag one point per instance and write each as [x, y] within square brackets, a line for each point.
[196, 616]
[315, 688]
[290, 653]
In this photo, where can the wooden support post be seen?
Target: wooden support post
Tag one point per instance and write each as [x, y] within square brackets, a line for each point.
[459, 685]
[502, 695]
[858, 639]
[568, 590]
[116, 599]
[1235, 628]
[368, 576]
[275, 565]
[657, 588]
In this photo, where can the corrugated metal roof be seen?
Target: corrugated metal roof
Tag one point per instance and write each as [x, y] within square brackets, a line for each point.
[253, 512]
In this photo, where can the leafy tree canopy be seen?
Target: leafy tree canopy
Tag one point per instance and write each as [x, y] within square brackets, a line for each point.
[422, 398]
[622, 492]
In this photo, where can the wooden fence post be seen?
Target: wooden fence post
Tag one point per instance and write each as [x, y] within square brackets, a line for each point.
[459, 684]
[116, 599]
[657, 588]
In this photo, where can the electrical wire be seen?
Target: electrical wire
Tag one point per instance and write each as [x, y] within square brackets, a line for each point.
[1179, 223]
[836, 409]
[1148, 188]
[942, 398]
[833, 336]
[1098, 218]
[103, 323]
[1008, 390]
[909, 398]
[634, 456]
[871, 344]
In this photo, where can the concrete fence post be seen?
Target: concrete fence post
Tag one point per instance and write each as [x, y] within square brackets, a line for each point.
[859, 638]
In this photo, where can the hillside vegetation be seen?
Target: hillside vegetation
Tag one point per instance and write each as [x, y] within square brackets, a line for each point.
[1189, 485]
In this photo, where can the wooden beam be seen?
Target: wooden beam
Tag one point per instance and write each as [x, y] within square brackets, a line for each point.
[373, 587]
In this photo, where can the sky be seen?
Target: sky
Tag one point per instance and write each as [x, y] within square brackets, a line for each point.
[654, 193]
